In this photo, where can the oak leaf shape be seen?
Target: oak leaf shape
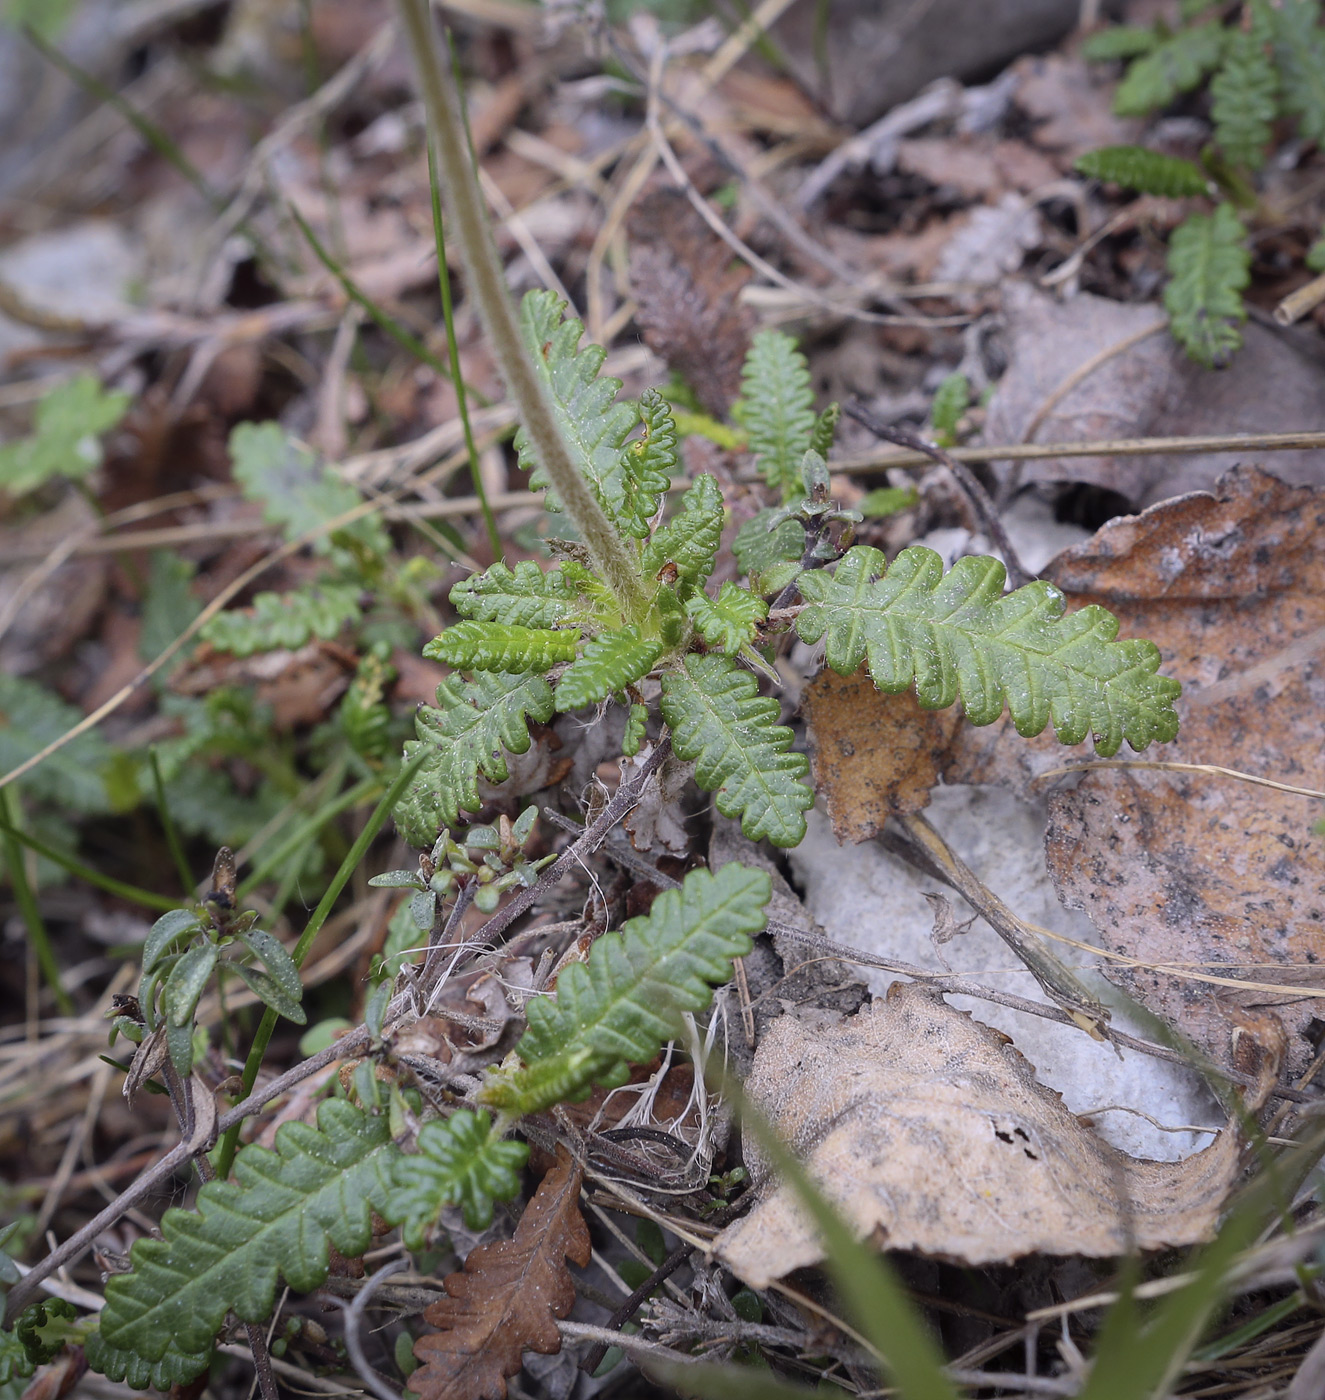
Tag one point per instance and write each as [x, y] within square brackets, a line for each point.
[507, 1298]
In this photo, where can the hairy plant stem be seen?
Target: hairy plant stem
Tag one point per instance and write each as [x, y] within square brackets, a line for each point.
[464, 208]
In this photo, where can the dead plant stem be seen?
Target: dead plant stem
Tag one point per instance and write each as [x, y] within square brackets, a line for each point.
[465, 211]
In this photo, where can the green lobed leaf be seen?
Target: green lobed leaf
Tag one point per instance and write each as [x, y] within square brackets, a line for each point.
[719, 720]
[626, 1001]
[296, 491]
[461, 1161]
[1174, 66]
[1244, 102]
[1299, 46]
[493, 646]
[649, 461]
[636, 725]
[464, 738]
[1208, 268]
[34, 1318]
[593, 423]
[279, 1217]
[959, 636]
[611, 661]
[777, 408]
[691, 538]
[32, 717]
[65, 440]
[168, 604]
[522, 597]
[760, 550]
[175, 1367]
[1119, 41]
[1148, 171]
[825, 429]
[288, 620]
[730, 620]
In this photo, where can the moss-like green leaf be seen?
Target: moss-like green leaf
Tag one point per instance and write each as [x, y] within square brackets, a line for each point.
[691, 538]
[279, 1217]
[491, 646]
[66, 436]
[1208, 267]
[461, 1162]
[1174, 66]
[1148, 171]
[1244, 101]
[1299, 47]
[465, 737]
[521, 597]
[960, 636]
[621, 1006]
[175, 1367]
[719, 719]
[730, 620]
[593, 424]
[285, 619]
[611, 661]
[777, 408]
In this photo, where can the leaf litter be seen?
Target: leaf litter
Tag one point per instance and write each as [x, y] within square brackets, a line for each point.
[951, 184]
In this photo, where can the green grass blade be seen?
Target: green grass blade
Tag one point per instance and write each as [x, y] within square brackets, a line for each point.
[27, 905]
[225, 1153]
[875, 1301]
[176, 847]
[147, 898]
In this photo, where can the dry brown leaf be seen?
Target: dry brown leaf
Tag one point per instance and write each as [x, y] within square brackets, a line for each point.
[874, 754]
[1179, 867]
[1070, 102]
[507, 1299]
[929, 1131]
[1086, 369]
[688, 289]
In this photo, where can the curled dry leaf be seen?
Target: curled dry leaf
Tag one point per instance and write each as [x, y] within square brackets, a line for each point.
[873, 754]
[1184, 868]
[929, 1132]
[507, 1298]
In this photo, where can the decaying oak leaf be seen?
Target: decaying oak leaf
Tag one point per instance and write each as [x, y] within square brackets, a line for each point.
[507, 1299]
[1194, 868]
[873, 754]
[687, 290]
[930, 1132]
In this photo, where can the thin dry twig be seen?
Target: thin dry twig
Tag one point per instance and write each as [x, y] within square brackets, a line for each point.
[970, 484]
